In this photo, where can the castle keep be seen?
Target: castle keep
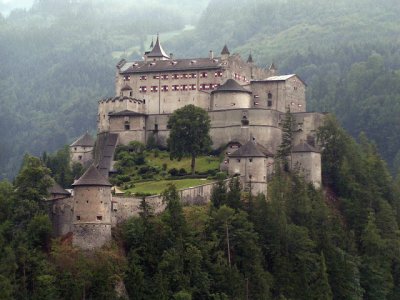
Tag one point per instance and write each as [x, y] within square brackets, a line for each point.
[246, 105]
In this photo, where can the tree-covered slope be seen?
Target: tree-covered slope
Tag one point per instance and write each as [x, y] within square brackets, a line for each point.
[57, 60]
[347, 52]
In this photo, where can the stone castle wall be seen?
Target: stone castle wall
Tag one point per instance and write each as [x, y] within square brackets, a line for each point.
[120, 209]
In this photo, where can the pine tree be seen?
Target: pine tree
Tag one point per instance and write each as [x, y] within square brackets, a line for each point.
[285, 148]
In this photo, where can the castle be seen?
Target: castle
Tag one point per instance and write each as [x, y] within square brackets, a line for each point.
[246, 105]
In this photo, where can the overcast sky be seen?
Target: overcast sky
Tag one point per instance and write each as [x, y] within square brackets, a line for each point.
[7, 5]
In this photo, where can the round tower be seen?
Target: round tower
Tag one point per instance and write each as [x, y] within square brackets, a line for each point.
[230, 95]
[92, 210]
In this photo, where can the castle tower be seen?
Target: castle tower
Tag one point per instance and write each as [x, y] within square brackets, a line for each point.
[82, 149]
[251, 162]
[92, 210]
[225, 53]
[230, 95]
[307, 160]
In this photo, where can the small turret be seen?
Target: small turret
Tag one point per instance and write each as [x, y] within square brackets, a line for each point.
[250, 59]
[157, 53]
[82, 150]
[225, 52]
[273, 70]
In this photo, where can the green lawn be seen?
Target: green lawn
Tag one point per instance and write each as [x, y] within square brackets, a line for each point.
[203, 163]
[156, 187]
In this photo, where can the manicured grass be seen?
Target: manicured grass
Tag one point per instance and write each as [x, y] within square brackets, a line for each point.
[203, 163]
[156, 187]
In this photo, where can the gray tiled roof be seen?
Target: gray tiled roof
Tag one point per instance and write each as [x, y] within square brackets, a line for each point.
[126, 87]
[126, 113]
[193, 64]
[92, 177]
[231, 86]
[225, 50]
[56, 189]
[157, 50]
[250, 149]
[85, 140]
[304, 147]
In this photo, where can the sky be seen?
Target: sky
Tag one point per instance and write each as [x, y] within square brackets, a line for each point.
[7, 5]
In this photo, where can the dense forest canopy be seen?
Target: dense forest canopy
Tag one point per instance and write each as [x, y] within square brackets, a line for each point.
[339, 242]
[57, 60]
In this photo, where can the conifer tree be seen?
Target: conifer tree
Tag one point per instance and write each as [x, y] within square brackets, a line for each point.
[285, 148]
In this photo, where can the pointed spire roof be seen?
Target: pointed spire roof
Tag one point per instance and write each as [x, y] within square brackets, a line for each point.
[225, 50]
[250, 149]
[250, 58]
[272, 67]
[92, 177]
[56, 189]
[231, 86]
[85, 140]
[157, 50]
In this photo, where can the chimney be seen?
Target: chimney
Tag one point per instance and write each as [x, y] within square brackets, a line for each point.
[211, 54]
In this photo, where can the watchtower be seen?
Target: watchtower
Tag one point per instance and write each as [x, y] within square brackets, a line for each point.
[92, 210]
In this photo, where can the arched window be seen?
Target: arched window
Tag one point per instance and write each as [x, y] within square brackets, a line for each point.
[127, 125]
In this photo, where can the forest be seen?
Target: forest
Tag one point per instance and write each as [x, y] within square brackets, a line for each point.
[339, 242]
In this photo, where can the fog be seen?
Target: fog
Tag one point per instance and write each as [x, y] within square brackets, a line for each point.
[6, 6]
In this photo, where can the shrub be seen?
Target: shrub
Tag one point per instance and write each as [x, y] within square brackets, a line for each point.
[164, 166]
[173, 172]
[182, 172]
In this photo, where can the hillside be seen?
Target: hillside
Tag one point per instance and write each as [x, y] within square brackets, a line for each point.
[340, 242]
[56, 64]
[57, 60]
[347, 53]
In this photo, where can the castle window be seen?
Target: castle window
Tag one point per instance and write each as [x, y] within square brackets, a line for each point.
[154, 88]
[175, 87]
[192, 75]
[155, 127]
[99, 218]
[238, 160]
[164, 77]
[175, 76]
[269, 103]
[218, 74]
[250, 160]
[143, 89]
[130, 93]
[192, 87]
[127, 77]
[250, 176]
[80, 157]
[185, 76]
[184, 87]
[75, 148]
[78, 218]
[164, 88]
[143, 77]
[269, 96]
[203, 75]
[127, 126]
[156, 77]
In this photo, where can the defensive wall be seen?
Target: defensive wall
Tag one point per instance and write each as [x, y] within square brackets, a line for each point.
[122, 208]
